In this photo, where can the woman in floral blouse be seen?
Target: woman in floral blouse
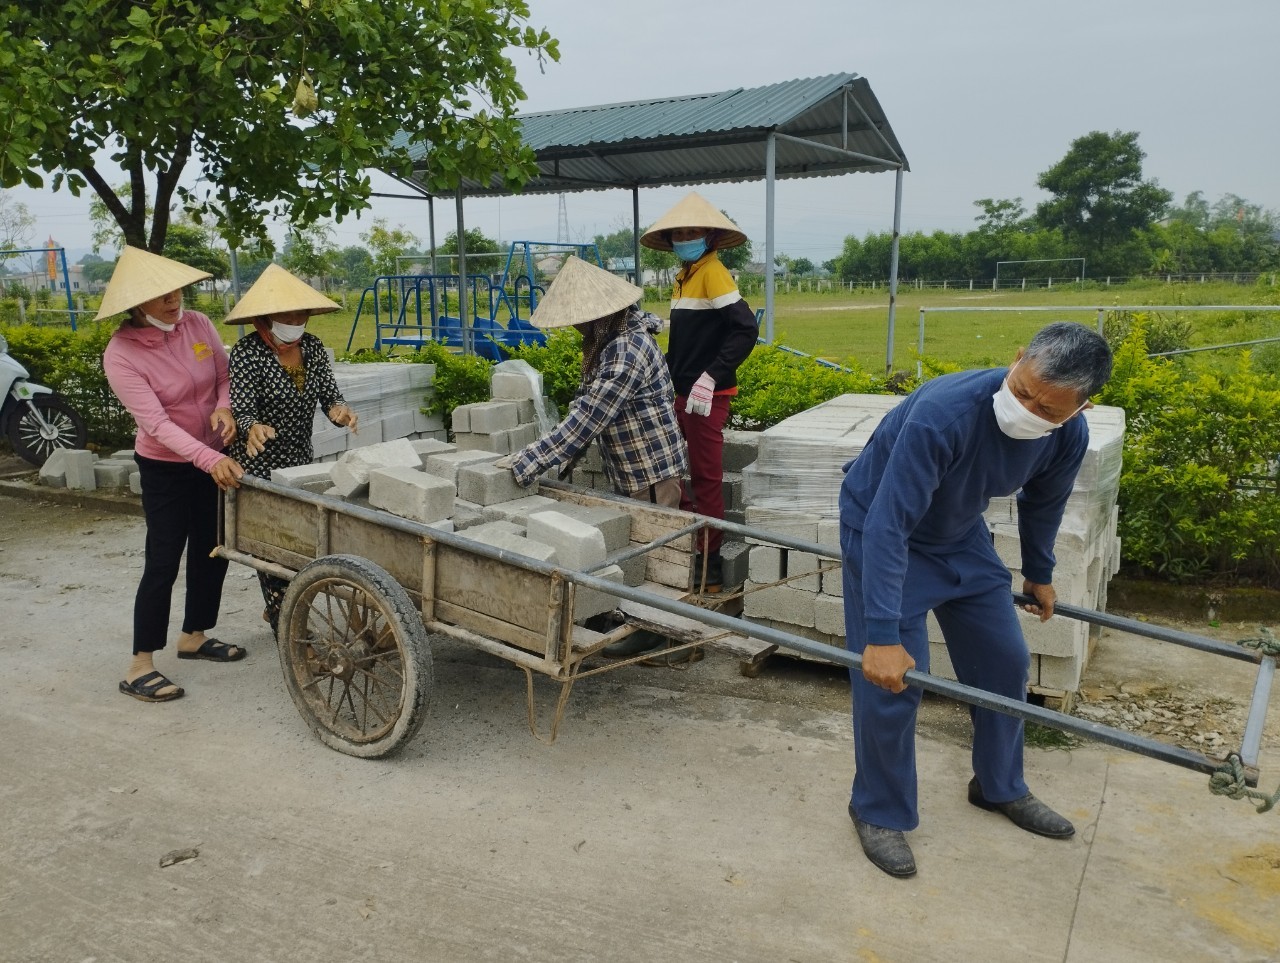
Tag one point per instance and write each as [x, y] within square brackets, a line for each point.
[279, 373]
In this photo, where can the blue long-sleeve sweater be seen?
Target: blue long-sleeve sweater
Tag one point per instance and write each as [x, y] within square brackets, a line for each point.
[928, 473]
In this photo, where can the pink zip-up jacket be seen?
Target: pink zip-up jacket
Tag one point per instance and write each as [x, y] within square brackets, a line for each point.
[171, 382]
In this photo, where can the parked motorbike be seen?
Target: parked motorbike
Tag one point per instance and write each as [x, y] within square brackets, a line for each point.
[37, 420]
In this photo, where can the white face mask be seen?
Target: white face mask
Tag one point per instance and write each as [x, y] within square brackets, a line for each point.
[288, 333]
[159, 324]
[1016, 421]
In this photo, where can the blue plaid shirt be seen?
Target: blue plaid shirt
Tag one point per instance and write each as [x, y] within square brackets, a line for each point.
[629, 407]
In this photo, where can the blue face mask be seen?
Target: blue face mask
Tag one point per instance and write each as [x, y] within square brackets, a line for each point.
[690, 250]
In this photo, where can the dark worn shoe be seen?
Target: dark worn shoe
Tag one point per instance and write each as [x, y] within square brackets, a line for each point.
[1027, 813]
[638, 642]
[715, 574]
[886, 848]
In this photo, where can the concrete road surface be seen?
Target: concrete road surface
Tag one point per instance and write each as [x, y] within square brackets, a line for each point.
[682, 815]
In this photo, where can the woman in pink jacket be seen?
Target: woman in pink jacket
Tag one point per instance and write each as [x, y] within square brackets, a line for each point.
[169, 369]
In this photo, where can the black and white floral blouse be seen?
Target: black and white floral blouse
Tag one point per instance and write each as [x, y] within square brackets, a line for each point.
[263, 390]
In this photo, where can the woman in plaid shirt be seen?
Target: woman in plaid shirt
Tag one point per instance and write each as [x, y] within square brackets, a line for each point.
[626, 398]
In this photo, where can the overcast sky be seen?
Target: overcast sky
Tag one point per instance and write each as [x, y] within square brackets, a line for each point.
[982, 94]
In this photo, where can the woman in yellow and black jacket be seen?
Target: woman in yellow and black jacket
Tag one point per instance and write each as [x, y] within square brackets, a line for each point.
[712, 331]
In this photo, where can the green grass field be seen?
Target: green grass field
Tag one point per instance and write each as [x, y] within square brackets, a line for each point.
[853, 326]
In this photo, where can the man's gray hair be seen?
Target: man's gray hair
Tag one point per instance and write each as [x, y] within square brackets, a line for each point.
[1070, 355]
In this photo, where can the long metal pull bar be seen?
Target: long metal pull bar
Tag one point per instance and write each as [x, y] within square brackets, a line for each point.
[1251, 742]
[1195, 761]
[1146, 629]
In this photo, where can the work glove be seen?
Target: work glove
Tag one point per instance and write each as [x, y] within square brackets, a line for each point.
[699, 402]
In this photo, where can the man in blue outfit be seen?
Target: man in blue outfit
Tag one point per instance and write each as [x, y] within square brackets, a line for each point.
[914, 540]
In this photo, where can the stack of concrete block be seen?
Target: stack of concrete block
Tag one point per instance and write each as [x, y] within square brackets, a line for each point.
[516, 415]
[84, 470]
[793, 489]
[388, 397]
[431, 482]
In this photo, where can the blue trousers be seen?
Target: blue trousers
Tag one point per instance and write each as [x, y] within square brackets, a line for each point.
[967, 588]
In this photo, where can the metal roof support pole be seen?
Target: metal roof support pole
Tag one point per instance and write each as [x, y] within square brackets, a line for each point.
[635, 234]
[893, 266]
[770, 161]
[468, 345]
[431, 229]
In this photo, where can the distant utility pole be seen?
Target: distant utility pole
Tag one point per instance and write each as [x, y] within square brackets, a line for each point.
[562, 224]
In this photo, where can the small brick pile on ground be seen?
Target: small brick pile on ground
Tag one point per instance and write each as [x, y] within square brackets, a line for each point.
[86, 471]
[793, 489]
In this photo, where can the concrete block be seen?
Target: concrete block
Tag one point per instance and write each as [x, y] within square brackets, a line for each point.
[734, 557]
[1059, 637]
[444, 525]
[135, 483]
[578, 545]
[312, 478]
[329, 441]
[124, 454]
[1060, 674]
[633, 570]
[79, 469]
[527, 411]
[53, 472]
[512, 543]
[782, 604]
[488, 417]
[833, 583]
[421, 375]
[350, 474]
[591, 460]
[588, 602]
[464, 519]
[829, 534]
[397, 424]
[445, 464]
[411, 493]
[520, 509]
[487, 529]
[765, 564]
[798, 563]
[426, 447]
[370, 434]
[828, 615]
[489, 484]
[800, 525]
[423, 422]
[499, 443]
[741, 448]
[460, 418]
[113, 472]
[613, 523]
[731, 489]
[513, 386]
[522, 435]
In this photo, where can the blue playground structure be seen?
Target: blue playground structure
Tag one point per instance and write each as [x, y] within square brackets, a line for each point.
[409, 310]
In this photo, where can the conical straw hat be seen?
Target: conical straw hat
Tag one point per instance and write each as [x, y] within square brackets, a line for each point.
[140, 276]
[694, 210]
[583, 292]
[276, 292]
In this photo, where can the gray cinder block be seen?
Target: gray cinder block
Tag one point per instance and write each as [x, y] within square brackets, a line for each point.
[426, 447]
[135, 483]
[489, 484]
[350, 474]
[833, 583]
[488, 417]
[828, 615]
[578, 545]
[800, 525]
[79, 468]
[460, 419]
[613, 523]
[113, 472]
[633, 570]
[312, 478]
[499, 443]
[741, 448]
[410, 493]
[799, 563]
[520, 509]
[734, 561]
[766, 563]
[446, 463]
[53, 472]
[512, 543]
[783, 604]
[588, 602]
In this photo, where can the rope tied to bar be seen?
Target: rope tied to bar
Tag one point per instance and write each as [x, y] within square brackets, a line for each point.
[1228, 780]
[1266, 642]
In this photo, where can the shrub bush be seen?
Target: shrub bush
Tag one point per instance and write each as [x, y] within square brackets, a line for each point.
[1198, 490]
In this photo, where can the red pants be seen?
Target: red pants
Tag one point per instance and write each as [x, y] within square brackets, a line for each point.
[705, 438]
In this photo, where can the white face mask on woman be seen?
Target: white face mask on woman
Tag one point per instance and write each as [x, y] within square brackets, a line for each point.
[1016, 421]
[288, 333]
[159, 324]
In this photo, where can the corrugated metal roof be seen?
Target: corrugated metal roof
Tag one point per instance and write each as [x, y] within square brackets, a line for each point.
[704, 138]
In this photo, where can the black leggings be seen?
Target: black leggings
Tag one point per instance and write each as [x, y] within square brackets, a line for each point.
[181, 505]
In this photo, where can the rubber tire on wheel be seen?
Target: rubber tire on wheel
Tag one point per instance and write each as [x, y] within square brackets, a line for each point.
[351, 644]
[24, 430]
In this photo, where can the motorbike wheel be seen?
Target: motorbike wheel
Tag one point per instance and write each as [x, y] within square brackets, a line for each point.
[63, 428]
